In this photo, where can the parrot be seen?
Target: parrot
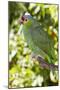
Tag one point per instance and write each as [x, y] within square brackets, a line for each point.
[38, 40]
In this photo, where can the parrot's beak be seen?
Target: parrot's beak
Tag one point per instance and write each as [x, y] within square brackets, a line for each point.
[22, 20]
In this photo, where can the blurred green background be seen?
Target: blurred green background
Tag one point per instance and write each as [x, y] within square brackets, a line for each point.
[23, 72]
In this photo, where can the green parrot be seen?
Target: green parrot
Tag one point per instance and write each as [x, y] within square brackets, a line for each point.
[37, 38]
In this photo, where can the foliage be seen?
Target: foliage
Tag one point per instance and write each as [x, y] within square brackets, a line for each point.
[23, 71]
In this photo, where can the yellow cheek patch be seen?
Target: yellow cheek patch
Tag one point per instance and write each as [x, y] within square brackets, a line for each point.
[26, 21]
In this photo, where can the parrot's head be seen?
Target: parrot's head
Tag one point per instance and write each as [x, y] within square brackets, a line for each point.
[26, 19]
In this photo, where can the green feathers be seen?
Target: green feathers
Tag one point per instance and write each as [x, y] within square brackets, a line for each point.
[38, 40]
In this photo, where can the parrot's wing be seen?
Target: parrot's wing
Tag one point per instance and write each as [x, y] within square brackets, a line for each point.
[42, 40]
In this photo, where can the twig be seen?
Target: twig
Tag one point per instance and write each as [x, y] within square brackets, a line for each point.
[44, 64]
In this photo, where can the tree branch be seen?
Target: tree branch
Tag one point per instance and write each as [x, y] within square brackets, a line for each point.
[44, 64]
